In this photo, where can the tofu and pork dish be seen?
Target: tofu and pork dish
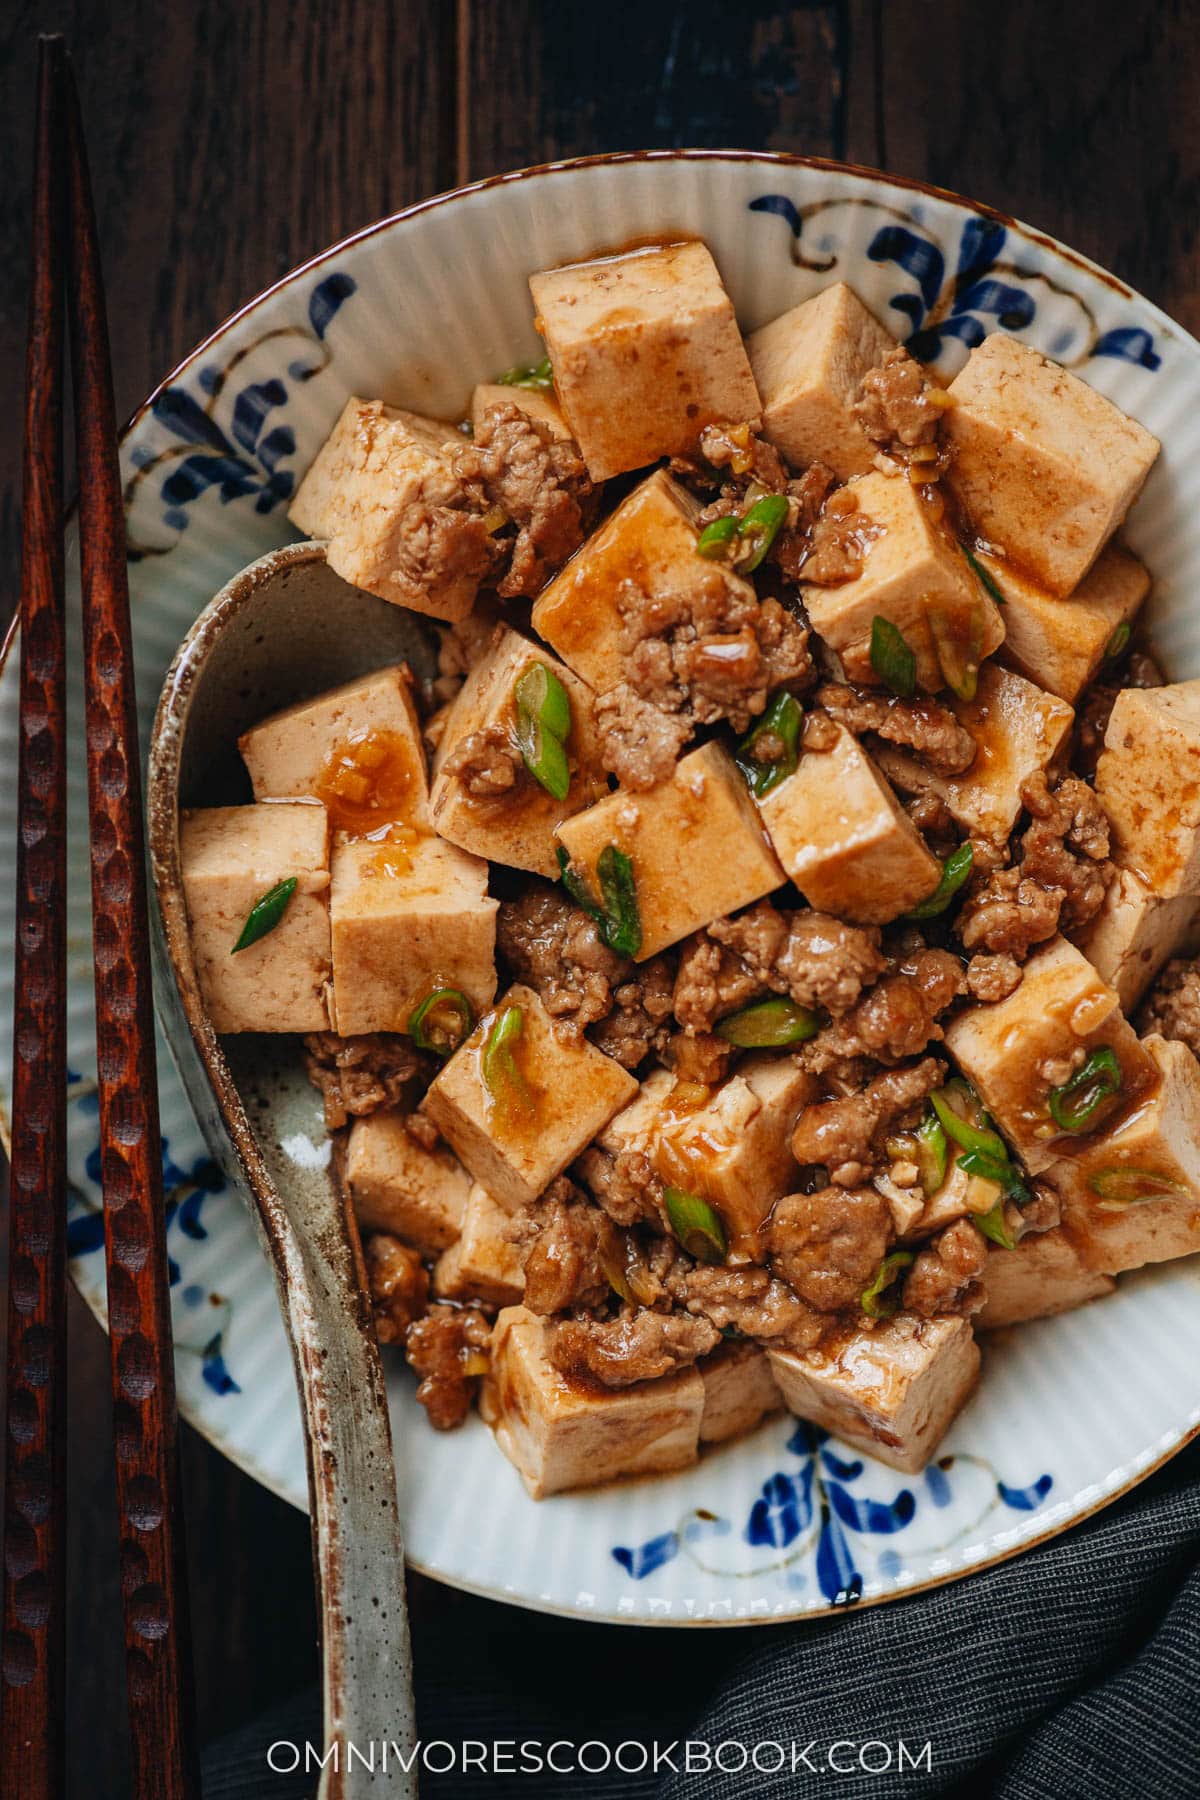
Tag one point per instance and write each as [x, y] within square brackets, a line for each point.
[756, 963]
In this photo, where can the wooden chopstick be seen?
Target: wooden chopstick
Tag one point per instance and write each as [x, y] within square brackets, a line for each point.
[145, 1426]
[32, 1734]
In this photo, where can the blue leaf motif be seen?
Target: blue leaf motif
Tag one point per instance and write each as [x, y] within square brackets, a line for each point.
[645, 1558]
[782, 1510]
[279, 442]
[1012, 306]
[1026, 1499]
[782, 206]
[251, 408]
[214, 1371]
[939, 1488]
[326, 298]
[1131, 343]
[926, 345]
[845, 1471]
[839, 1580]
[872, 1515]
[179, 412]
[979, 249]
[85, 1233]
[195, 473]
[915, 255]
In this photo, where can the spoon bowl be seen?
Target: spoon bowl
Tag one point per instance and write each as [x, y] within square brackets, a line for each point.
[280, 631]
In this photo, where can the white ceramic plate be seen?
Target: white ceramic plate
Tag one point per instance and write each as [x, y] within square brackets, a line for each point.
[1070, 1411]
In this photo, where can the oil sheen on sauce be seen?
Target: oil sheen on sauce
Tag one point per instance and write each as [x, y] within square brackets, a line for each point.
[368, 782]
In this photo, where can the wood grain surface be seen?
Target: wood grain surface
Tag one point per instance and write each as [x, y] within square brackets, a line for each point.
[228, 141]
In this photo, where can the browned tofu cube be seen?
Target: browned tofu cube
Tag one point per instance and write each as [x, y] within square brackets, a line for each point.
[516, 825]
[739, 1392]
[1148, 780]
[1046, 467]
[485, 1262]
[696, 843]
[1016, 1051]
[646, 352]
[385, 493]
[398, 1185]
[1044, 1275]
[892, 1392]
[409, 916]
[541, 407]
[733, 1146]
[562, 1434]
[357, 748]
[1132, 1196]
[231, 857]
[808, 365]
[1135, 933]
[913, 575]
[843, 837]
[521, 1132]
[1058, 643]
[649, 541]
[1019, 730]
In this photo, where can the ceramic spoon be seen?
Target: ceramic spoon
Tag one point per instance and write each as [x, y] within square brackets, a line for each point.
[286, 628]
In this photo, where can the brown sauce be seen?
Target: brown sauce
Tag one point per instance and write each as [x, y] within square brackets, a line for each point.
[367, 782]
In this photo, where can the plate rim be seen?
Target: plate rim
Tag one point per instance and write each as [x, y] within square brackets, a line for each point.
[568, 165]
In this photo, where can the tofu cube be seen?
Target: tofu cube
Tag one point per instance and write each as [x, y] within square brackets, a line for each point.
[377, 481]
[1058, 643]
[484, 1262]
[1044, 1275]
[542, 408]
[696, 843]
[844, 839]
[397, 1185]
[739, 1392]
[517, 826]
[356, 748]
[1008, 1050]
[1018, 729]
[1044, 466]
[1148, 780]
[516, 1150]
[636, 1126]
[1133, 1196]
[808, 365]
[646, 352]
[409, 915]
[649, 541]
[891, 1392]
[734, 1148]
[231, 856]
[562, 1434]
[915, 576]
[1135, 933]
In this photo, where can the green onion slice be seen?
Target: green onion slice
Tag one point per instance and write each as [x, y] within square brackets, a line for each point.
[1119, 1188]
[985, 578]
[265, 914]
[1075, 1105]
[933, 1153]
[697, 1225]
[529, 375]
[892, 657]
[992, 1225]
[716, 540]
[955, 870]
[502, 1076]
[618, 916]
[759, 528]
[875, 1300]
[1005, 1175]
[769, 1025]
[964, 1120]
[782, 719]
[543, 726]
[1118, 641]
[959, 648]
[442, 1021]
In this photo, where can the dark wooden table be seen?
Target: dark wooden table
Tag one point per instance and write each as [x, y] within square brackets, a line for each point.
[230, 141]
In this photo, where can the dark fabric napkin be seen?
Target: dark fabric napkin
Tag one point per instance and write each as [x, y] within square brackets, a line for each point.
[1072, 1671]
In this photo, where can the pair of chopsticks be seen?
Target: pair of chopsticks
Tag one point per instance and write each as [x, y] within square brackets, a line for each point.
[66, 268]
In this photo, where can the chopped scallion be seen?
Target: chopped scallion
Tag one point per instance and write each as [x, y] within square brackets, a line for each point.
[778, 730]
[265, 914]
[933, 1153]
[769, 1025]
[955, 870]
[543, 709]
[716, 540]
[697, 1225]
[1118, 1188]
[442, 1021]
[529, 375]
[992, 1225]
[759, 528]
[986, 579]
[618, 917]
[893, 658]
[1077, 1105]
[875, 1301]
